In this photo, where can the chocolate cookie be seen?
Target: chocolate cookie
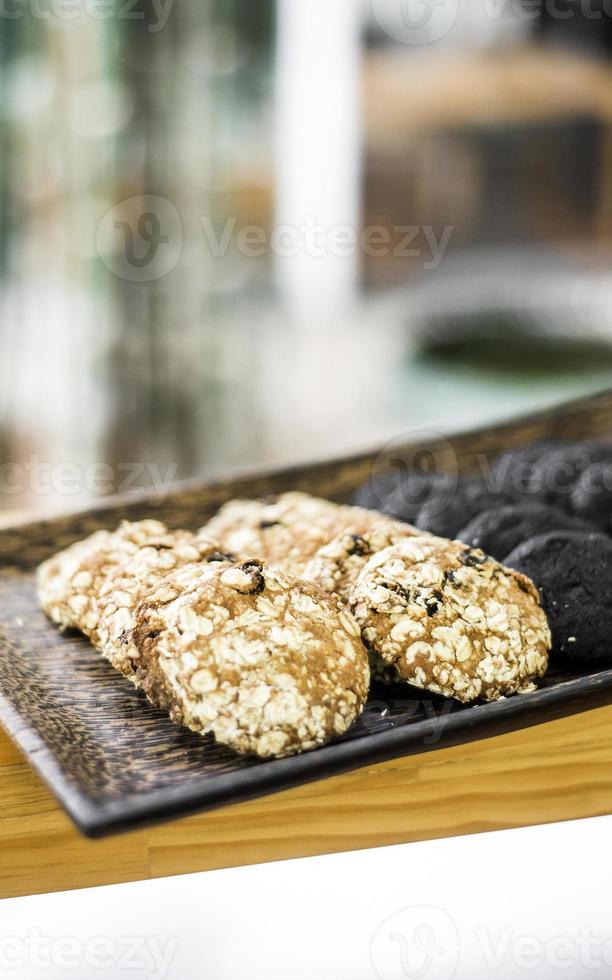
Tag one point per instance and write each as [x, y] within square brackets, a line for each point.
[377, 490]
[400, 495]
[270, 664]
[451, 620]
[591, 496]
[574, 574]
[450, 506]
[499, 530]
[559, 469]
[515, 471]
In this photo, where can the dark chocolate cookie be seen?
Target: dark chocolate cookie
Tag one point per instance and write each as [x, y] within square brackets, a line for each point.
[591, 495]
[558, 470]
[499, 530]
[574, 574]
[400, 495]
[449, 507]
[379, 488]
[514, 471]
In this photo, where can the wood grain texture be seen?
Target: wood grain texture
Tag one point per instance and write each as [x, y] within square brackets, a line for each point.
[558, 771]
[551, 772]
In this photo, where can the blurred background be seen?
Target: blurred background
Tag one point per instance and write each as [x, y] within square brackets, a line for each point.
[238, 233]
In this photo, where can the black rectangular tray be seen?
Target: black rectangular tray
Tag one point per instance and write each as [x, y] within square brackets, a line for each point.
[115, 764]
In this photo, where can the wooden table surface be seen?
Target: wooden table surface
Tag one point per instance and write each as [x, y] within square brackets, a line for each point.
[557, 771]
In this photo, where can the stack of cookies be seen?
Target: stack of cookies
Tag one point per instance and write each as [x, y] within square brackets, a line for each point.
[264, 627]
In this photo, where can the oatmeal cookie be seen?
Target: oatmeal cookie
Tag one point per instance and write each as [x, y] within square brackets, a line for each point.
[451, 620]
[285, 531]
[69, 581]
[268, 663]
[134, 579]
[336, 566]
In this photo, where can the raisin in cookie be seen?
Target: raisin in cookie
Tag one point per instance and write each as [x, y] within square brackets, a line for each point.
[134, 579]
[451, 620]
[286, 531]
[336, 566]
[574, 574]
[69, 581]
[270, 664]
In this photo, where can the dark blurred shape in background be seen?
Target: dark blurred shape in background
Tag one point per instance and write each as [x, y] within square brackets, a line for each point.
[235, 233]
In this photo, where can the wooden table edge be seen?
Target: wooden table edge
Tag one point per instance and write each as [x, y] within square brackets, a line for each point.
[552, 772]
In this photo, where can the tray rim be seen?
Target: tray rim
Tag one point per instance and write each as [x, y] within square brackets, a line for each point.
[475, 723]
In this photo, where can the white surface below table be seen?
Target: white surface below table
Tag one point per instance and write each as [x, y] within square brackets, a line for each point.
[533, 903]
